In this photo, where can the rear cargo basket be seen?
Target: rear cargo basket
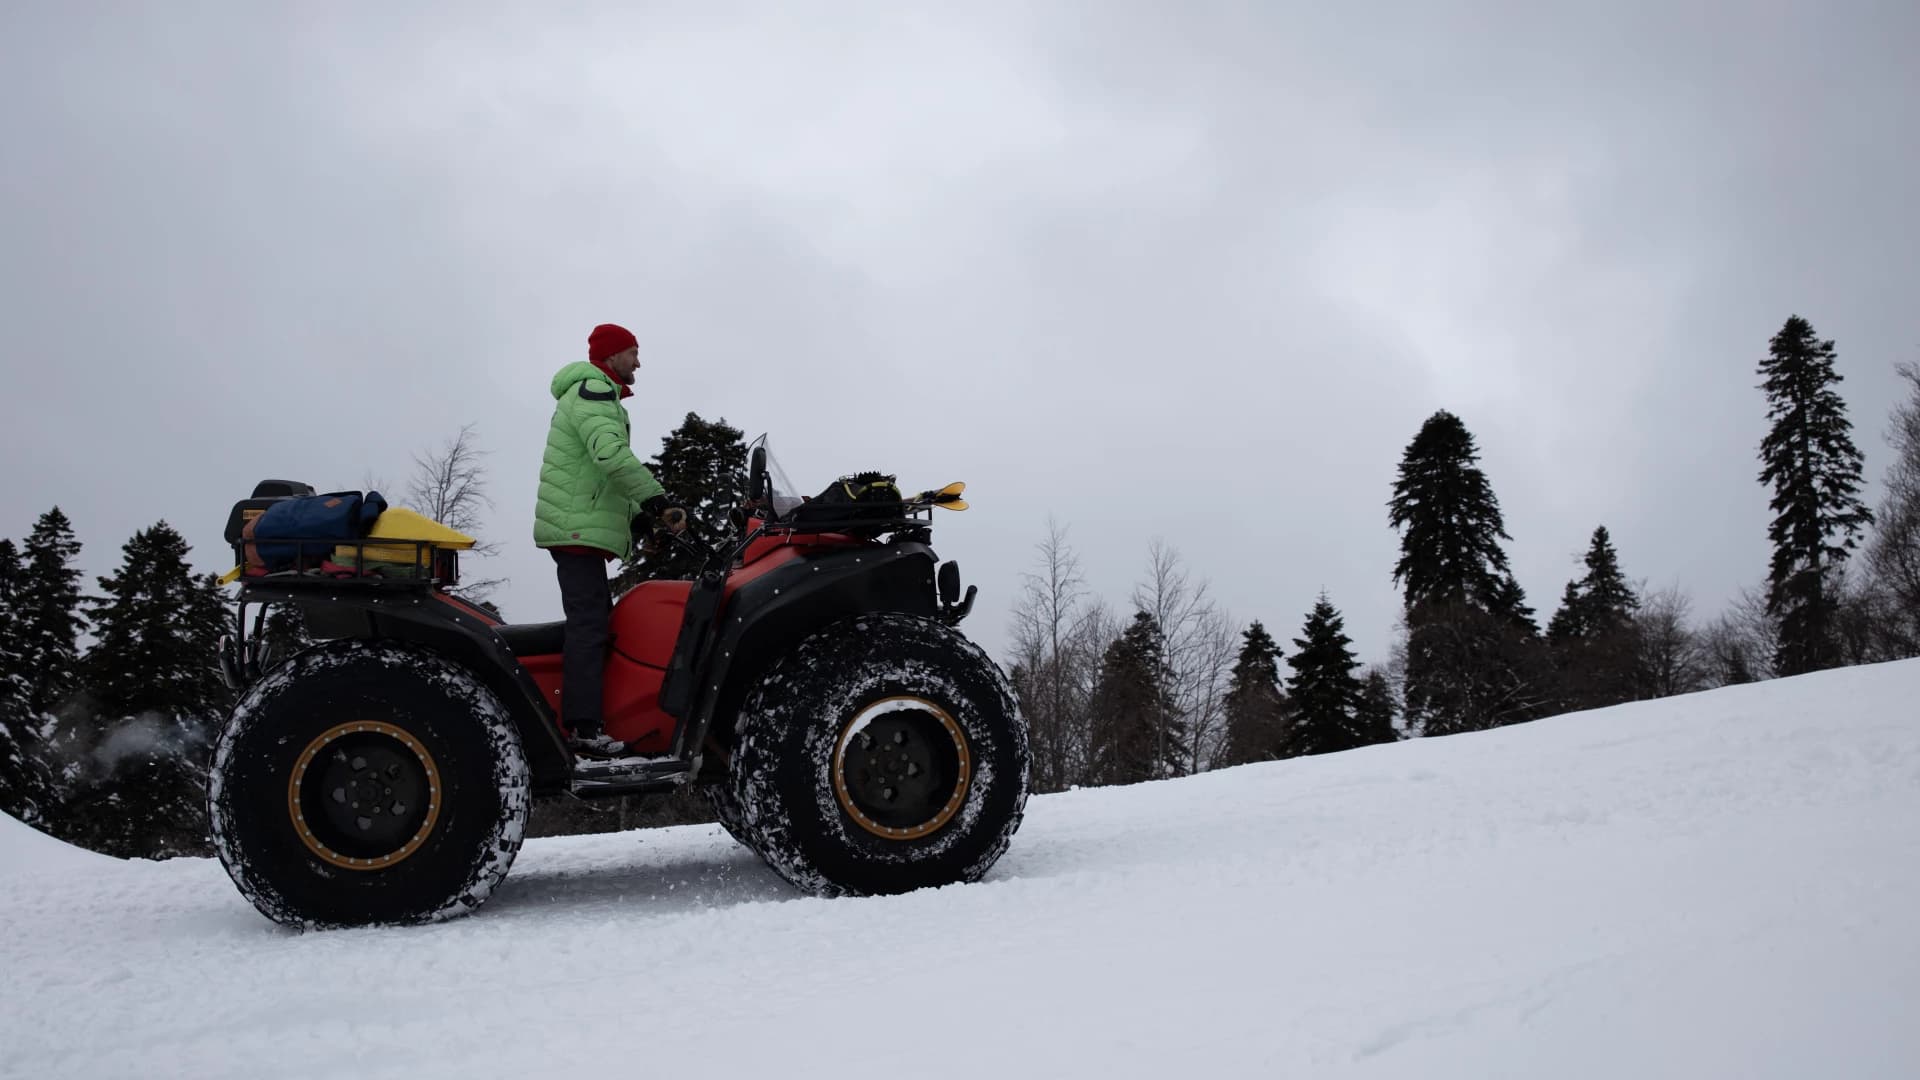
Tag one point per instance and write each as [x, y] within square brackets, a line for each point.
[369, 561]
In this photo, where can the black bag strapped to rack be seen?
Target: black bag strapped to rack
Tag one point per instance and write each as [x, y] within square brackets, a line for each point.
[853, 500]
[297, 528]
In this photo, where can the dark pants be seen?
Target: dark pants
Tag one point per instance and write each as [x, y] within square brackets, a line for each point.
[587, 598]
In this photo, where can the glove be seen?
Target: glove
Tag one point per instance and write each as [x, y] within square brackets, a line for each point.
[660, 509]
[657, 519]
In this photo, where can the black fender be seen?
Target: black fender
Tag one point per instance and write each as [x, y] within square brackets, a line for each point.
[417, 616]
[771, 614]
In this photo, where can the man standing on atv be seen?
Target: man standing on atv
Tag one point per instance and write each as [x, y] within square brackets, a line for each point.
[595, 496]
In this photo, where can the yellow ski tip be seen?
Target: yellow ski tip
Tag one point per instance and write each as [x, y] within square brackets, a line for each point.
[231, 576]
[952, 504]
[940, 495]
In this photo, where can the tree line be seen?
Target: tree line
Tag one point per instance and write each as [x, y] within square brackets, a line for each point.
[105, 743]
[1163, 690]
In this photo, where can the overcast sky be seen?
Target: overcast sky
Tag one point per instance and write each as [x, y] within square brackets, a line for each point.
[1188, 270]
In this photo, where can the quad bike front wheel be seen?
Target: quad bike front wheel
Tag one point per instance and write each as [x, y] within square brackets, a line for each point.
[885, 753]
[725, 804]
[368, 782]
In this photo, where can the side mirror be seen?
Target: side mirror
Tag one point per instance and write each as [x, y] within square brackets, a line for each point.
[757, 476]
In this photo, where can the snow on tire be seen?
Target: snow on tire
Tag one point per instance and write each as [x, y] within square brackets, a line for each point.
[725, 804]
[368, 782]
[885, 753]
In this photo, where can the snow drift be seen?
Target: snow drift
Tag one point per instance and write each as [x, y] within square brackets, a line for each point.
[1720, 885]
[25, 850]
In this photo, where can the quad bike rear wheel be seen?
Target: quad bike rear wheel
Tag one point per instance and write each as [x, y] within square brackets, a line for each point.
[885, 753]
[368, 782]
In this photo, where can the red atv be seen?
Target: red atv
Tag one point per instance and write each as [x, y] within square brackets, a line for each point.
[811, 678]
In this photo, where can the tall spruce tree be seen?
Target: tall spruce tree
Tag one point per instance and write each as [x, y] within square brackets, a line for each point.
[49, 611]
[1450, 521]
[26, 786]
[1608, 599]
[1256, 707]
[1471, 658]
[1814, 469]
[1593, 634]
[153, 676]
[703, 466]
[1133, 739]
[1323, 692]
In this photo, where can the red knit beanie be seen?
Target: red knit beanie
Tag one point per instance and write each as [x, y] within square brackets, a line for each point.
[608, 339]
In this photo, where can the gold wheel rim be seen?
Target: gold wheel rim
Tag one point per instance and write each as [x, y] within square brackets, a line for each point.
[297, 814]
[955, 800]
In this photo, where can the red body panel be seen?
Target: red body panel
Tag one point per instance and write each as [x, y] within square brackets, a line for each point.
[646, 622]
[646, 626]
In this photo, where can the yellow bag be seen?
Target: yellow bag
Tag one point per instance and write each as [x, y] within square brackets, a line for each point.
[401, 524]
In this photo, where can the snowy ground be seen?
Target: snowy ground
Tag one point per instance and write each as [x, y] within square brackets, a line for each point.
[1724, 885]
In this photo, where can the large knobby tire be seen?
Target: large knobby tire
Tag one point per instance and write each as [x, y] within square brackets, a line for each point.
[365, 783]
[885, 753]
[725, 804]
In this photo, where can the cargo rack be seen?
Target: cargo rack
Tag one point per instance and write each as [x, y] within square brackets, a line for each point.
[432, 564]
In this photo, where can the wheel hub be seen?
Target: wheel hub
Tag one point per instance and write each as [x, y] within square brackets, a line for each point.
[364, 795]
[901, 768]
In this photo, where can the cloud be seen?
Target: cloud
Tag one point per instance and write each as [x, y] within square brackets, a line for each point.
[1197, 272]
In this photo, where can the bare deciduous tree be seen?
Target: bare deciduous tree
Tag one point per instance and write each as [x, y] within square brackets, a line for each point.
[1200, 651]
[1893, 556]
[1669, 659]
[1739, 646]
[449, 485]
[1059, 636]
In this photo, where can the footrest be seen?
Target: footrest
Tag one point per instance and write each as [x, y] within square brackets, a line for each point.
[628, 775]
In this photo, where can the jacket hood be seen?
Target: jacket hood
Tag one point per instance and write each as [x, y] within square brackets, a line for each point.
[576, 373]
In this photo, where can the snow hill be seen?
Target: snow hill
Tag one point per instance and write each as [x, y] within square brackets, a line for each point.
[1721, 885]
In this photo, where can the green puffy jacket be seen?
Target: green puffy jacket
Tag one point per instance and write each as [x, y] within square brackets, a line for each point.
[591, 484]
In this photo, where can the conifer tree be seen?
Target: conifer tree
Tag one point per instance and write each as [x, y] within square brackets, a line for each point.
[1608, 600]
[1450, 521]
[157, 628]
[1510, 604]
[1593, 634]
[703, 466]
[1566, 625]
[49, 611]
[1133, 739]
[26, 787]
[13, 646]
[1323, 692]
[153, 676]
[1814, 469]
[1471, 658]
[1378, 709]
[1256, 707]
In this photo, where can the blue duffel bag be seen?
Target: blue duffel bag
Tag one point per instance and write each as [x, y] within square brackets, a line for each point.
[308, 527]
